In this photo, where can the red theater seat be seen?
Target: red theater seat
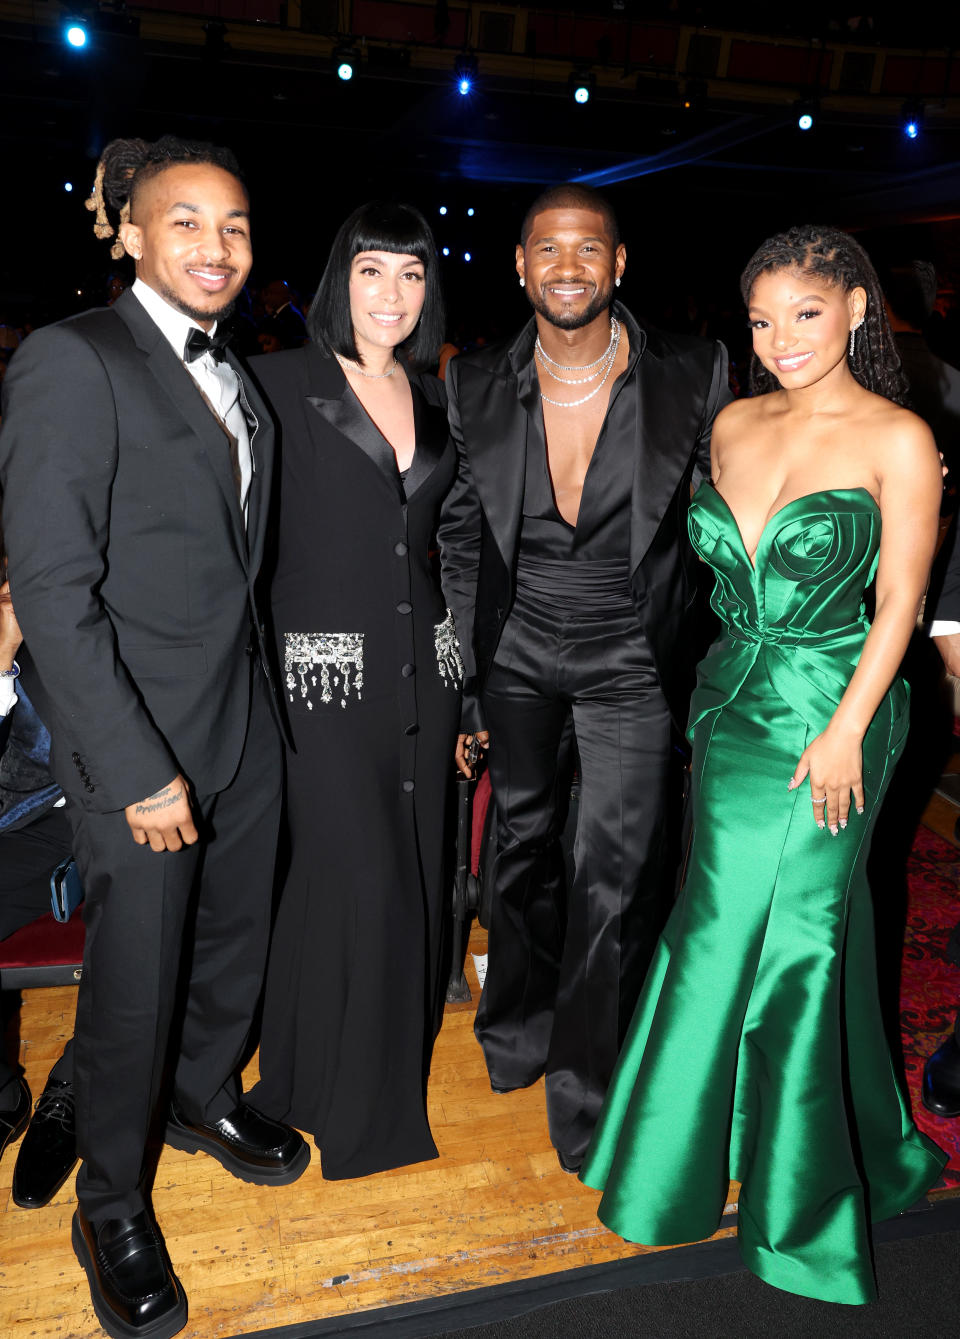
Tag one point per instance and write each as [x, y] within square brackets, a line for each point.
[44, 953]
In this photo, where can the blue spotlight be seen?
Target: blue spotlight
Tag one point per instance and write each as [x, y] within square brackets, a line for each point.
[346, 62]
[446, 251]
[805, 122]
[68, 186]
[581, 84]
[467, 256]
[806, 113]
[911, 118]
[465, 74]
[75, 34]
[470, 213]
[443, 209]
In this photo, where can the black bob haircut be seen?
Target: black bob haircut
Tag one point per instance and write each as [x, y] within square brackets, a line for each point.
[379, 225]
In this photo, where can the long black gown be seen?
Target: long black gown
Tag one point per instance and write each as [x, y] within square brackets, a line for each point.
[371, 673]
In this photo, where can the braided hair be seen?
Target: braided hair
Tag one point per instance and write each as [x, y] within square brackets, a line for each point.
[126, 164]
[832, 255]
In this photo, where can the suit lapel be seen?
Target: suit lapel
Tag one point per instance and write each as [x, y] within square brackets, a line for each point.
[261, 450]
[496, 412]
[333, 401]
[431, 436]
[183, 393]
[667, 427]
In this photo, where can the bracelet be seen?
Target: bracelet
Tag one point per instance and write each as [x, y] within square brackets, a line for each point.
[11, 673]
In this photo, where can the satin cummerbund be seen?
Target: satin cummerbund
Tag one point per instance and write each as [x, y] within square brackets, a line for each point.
[568, 587]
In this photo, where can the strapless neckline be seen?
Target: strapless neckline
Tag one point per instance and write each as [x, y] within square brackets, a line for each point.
[710, 489]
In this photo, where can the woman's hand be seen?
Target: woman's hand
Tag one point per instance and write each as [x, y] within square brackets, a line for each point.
[10, 634]
[463, 744]
[834, 763]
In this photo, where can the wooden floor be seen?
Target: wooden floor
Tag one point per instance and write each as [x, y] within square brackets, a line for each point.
[494, 1207]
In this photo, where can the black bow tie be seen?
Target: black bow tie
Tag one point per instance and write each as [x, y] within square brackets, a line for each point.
[199, 342]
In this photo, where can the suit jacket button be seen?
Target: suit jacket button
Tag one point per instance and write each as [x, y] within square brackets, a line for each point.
[76, 757]
[412, 729]
[407, 787]
[400, 549]
[87, 786]
[408, 670]
[404, 607]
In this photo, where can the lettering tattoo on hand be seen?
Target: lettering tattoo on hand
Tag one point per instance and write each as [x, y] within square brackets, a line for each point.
[162, 800]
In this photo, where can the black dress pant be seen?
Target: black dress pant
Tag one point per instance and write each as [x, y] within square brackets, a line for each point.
[28, 856]
[172, 937]
[566, 966]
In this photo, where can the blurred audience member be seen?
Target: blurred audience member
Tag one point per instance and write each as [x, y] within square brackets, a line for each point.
[282, 325]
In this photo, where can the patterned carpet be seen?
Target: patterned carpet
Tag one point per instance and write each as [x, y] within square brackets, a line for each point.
[930, 982]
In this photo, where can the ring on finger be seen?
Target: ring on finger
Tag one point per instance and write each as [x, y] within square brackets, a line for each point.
[819, 799]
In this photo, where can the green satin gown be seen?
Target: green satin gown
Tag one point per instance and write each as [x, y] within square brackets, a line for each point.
[757, 1051]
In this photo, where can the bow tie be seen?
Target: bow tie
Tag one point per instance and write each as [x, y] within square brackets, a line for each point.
[199, 342]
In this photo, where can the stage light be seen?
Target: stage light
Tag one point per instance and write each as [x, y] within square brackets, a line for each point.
[443, 209]
[75, 33]
[911, 118]
[465, 74]
[346, 62]
[581, 84]
[68, 186]
[806, 112]
[446, 251]
[470, 213]
[467, 256]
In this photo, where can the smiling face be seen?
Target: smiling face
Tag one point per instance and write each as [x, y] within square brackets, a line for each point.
[386, 297]
[569, 265]
[190, 236]
[801, 325]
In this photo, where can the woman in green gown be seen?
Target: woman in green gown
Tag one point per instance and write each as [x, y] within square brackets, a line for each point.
[757, 1050]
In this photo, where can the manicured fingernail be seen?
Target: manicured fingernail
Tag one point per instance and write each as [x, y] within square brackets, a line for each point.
[843, 822]
[820, 824]
[791, 784]
[834, 829]
[859, 808]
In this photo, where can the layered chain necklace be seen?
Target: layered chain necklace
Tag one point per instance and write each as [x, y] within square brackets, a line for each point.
[603, 365]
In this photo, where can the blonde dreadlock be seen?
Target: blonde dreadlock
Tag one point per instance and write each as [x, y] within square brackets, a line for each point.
[126, 163]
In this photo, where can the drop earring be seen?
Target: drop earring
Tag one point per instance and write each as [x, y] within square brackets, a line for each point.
[853, 338]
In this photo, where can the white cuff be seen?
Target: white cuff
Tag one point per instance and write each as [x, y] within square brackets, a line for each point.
[8, 696]
[943, 627]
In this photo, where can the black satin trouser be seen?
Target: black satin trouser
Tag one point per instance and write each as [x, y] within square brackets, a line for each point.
[566, 966]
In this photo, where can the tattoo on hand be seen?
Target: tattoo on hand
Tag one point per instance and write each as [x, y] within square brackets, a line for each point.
[162, 800]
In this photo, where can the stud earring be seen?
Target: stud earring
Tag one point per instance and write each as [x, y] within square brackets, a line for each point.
[523, 282]
[617, 281]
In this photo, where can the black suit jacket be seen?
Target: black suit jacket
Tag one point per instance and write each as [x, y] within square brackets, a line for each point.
[682, 385]
[131, 572]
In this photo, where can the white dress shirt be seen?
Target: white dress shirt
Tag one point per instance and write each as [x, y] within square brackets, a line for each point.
[8, 696]
[217, 381]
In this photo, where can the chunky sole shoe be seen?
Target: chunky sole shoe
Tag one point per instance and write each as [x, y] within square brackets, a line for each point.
[250, 1146]
[164, 1326]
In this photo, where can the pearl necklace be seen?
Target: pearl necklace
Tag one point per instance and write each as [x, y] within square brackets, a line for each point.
[614, 334]
[611, 358]
[371, 376]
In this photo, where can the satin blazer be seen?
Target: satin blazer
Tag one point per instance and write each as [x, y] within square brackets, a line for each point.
[681, 385]
[131, 570]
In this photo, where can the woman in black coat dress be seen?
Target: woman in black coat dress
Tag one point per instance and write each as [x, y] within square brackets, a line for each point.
[371, 675]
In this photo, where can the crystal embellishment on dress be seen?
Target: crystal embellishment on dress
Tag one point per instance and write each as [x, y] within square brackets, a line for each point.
[447, 644]
[324, 660]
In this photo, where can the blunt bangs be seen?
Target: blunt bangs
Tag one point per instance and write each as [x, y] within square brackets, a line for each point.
[378, 226]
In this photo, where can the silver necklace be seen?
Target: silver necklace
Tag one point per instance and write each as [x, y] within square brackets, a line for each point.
[585, 367]
[371, 376]
[572, 404]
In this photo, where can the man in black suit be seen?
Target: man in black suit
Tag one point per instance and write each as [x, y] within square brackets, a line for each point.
[568, 568]
[135, 462]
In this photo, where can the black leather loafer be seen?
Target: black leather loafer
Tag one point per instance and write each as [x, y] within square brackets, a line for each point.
[48, 1153]
[13, 1123]
[251, 1146]
[134, 1290]
[568, 1164]
[941, 1080]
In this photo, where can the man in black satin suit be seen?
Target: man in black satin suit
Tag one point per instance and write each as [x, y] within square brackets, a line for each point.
[135, 463]
[567, 565]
